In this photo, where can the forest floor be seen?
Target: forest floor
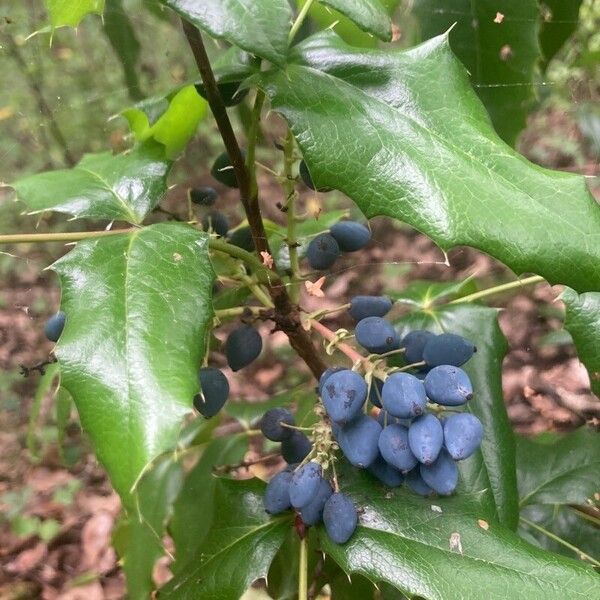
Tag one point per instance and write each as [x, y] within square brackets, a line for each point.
[59, 510]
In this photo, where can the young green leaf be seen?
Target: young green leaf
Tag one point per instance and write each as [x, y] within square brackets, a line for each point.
[403, 135]
[68, 13]
[121, 187]
[138, 313]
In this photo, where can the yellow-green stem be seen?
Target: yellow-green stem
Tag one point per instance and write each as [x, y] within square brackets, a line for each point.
[290, 203]
[303, 569]
[498, 289]
[299, 20]
[253, 132]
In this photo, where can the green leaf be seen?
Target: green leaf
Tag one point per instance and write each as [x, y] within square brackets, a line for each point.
[403, 541]
[138, 313]
[239, 545]
[68, 13]
[403, 135]
[121, 35]
[369, 15]
[171, 120]
[558, 469]
[195, 508]
[423, 294]
[258, 26]
[493, 469]
[559, 21]
[502, 58]
[154, 497]
[582, 321]
[102, 186]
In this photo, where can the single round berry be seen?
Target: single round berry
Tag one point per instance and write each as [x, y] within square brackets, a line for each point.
[229, 91]
[359, 440]
[322, 252]
[242, 347]
[55, 325]
[325, 376]
[375, 392]
[394, 447]
[277, 494]
[312, 513]
[414, 343]
[415, 482]
[305, 483]
[350, 235]
[447, 349]
[344, 394]
[403, 396]
[362, 307]
[271, 424]
[214, 391]
[426, 438]
[448, 385]
[295, 448]
[387, 474]
[216, 222]
[242, 238]
[376, 335]
[222, 170]
[442, 475]
[340, 518]
[462, 435]
[203, 195]
[307, 179]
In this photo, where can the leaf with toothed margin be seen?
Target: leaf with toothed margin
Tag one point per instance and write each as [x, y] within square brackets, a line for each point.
[403, 135]
[68, 13]
[138, 313]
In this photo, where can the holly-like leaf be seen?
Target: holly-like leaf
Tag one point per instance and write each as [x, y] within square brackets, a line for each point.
[121, 187]
[403, 135]
[195, 508]
[492, 471]
[369, 15]
[138, 313]
[239, 545]
[68, 13]
[502, 57]
[559, 21]
[258, 26]
[436, 555]
[582, 321]
[423, 294]
[558, 469]
[171, 120]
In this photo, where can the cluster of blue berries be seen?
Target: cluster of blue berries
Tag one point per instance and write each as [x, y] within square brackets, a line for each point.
[413, 431]
[344, 236]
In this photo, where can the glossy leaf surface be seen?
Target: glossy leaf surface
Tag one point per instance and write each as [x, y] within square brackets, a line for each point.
[369, 15]
[258, 26]
[583, 323]
[121, 187]
[70, 12]
[138, 312]
[403, 135]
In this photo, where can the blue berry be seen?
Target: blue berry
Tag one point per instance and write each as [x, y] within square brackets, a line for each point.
[55, 325]
[242, 347]
[277, 494]
[442, 475]
[214, 391]
[216, 222]
[242, 238]
[305, 483]
[448, 349]
[344, 394]
[415, 482]
[322, 252]
[222, 170]
[448, 385]
[387, 474]
[414, 343]
[350, 235]
[381, 419]
[325, 376]
[340, 518]
[203, 195]
[271, 427]
[362, 307]
[426, 438]
[359, 440]
[393, 445]
[404, 396]
[462, 435]
[229, 90]
[295, 448]
[377, 335]
[312, 513]
[375, 392]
